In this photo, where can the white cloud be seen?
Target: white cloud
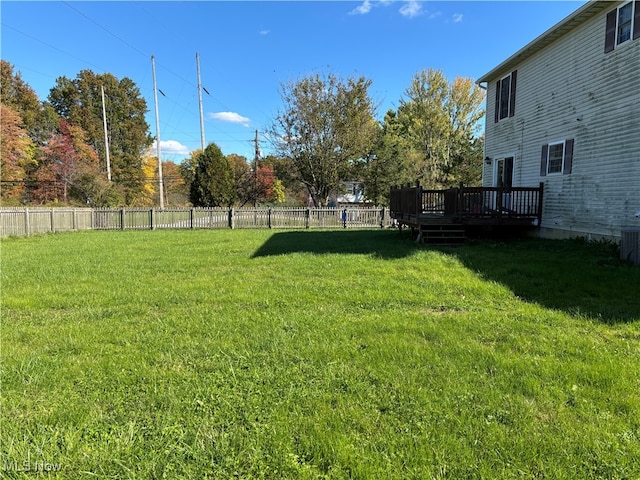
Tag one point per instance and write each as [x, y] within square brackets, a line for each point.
[411, 8]
[230, 117]
[265, 32]
[362, 9]
[457, 17]
[170, 147]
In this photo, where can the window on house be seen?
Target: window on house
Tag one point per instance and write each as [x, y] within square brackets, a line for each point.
[625, 18]
[556, 155]
[505, 93]
[623, 24]
[506, 97]
[557, 158]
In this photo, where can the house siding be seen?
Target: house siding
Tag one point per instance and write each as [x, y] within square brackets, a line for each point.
[572, 79]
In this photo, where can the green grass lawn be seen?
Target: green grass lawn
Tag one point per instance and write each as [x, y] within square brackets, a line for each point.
[317, 354]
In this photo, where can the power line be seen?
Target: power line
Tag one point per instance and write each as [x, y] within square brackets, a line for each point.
[49, 45]
[105, 29]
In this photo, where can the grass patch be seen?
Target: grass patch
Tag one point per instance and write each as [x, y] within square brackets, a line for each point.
[343, 354]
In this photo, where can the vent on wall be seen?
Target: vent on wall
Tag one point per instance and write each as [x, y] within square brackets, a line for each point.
[630, 245]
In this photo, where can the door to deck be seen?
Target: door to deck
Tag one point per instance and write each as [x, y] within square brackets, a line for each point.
[504, 172]
[503, 178]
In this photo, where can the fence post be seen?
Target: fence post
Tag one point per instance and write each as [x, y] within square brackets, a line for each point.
[122, 226]
[53, 221]
[269, 217]
[151, 212]
[382, 217]
[191, 215]
[231, 217]
[307, 215]
[75, 219]
[27, 227]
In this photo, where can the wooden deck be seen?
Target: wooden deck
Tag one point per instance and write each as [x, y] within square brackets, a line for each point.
[456, 210]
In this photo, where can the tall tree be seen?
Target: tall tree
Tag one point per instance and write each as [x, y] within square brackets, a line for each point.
[389, 163]
[251, 187]
[68, 167]
[17, 94]
[213, 183]
[17, 155]
[79, 101]
[243, 179]
[440, 120]
[287, 184]
[175, 192]
[325, 127]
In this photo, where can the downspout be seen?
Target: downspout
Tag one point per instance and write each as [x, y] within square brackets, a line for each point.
[484, 144]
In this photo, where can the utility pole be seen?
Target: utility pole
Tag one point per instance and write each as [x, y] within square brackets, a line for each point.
[200, 102]
[155, 98]
[255, 168]
[106, 136]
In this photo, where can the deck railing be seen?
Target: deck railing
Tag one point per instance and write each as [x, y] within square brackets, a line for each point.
[468, 203]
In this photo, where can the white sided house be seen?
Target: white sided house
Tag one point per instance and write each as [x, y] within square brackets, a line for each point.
[565, 111]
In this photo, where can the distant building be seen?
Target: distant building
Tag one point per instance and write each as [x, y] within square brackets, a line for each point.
[353, 195]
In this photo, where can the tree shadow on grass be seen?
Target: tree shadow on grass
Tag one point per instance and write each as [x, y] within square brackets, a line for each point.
[385, 244]
[574, 276]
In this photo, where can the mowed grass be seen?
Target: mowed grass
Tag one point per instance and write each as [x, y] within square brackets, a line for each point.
[317, 354]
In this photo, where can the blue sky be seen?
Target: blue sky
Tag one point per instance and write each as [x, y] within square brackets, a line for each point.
[248, 49]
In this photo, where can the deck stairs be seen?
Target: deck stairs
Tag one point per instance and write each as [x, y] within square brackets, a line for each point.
[442, 234]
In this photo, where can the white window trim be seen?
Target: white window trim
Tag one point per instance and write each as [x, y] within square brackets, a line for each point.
[500, 117]
[617, 42]
[564, 152]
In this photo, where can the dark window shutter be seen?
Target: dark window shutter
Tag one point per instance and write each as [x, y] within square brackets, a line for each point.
[636, 20]
[543, 160]
[610, 34]
[497, 113]
[568, 156]
[512, 100]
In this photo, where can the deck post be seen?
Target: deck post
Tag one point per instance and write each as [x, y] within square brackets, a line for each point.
[540, 203]
[418, 199]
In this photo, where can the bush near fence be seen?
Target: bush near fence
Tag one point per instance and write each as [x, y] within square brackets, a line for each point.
[25, 221]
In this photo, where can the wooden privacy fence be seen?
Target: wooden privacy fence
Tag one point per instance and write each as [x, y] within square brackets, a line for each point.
[25, 221]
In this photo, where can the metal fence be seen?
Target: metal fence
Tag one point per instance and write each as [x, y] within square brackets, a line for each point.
[26, 221]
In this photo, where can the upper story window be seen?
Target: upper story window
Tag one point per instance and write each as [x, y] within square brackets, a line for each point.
[623, 24]
[506, 96]
[625, 19]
